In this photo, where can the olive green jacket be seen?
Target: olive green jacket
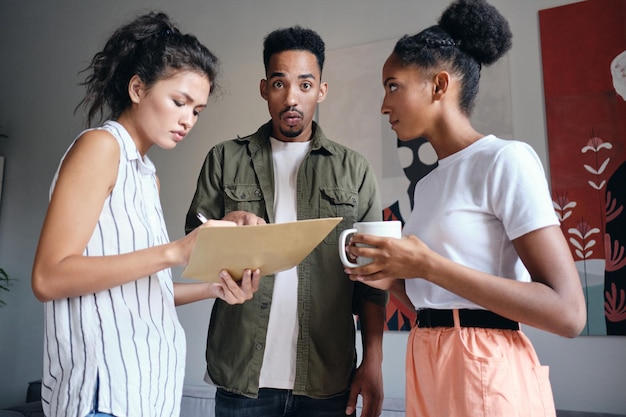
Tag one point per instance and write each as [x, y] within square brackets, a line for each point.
[333, 181]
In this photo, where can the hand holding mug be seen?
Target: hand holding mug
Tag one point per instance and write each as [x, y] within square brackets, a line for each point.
[391, 228]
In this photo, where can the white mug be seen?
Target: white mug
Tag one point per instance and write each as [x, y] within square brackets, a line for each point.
[392, 228]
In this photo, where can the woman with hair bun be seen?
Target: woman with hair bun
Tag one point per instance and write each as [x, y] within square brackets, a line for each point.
[482, 250]
[113, 345]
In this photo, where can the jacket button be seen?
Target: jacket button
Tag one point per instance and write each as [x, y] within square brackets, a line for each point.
[258, 346]
[264, 306]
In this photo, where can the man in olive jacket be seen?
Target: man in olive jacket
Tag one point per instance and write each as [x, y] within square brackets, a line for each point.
[291, 349]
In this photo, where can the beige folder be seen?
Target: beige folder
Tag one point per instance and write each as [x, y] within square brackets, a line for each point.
[270, 247]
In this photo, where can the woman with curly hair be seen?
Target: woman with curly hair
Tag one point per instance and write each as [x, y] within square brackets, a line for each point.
[482, 250]
[113, 345]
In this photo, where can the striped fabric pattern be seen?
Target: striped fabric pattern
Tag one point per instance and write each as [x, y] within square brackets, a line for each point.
[126, 340]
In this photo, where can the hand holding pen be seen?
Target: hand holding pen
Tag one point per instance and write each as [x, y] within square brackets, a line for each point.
[201, 217]
[215, 223]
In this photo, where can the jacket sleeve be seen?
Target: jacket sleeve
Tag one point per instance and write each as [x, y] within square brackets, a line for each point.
[209, 196]
[369, 210]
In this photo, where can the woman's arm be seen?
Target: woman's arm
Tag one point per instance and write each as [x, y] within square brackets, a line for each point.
[228, 289]
[86, 177]
[553, 301]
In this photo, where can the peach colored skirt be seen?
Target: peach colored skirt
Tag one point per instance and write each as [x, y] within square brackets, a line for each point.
[475, 372]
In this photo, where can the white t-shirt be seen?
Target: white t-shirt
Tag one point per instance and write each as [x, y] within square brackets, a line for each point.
[472, 206]
[279, 360]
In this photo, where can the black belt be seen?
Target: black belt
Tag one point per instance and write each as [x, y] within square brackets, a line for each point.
[467, 318]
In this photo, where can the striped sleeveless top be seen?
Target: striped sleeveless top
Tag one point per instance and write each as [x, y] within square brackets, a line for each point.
[127, 340]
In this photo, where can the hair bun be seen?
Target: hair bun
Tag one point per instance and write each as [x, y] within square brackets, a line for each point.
[478, 28]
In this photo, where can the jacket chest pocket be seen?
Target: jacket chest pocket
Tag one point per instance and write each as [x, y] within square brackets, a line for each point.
[241, 197]
[335, 202]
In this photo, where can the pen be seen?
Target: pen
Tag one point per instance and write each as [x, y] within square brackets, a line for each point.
[201, 217]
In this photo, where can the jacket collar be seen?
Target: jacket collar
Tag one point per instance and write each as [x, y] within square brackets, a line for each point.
[259, 139]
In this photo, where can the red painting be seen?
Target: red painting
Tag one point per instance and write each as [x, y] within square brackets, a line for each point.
[583, 49]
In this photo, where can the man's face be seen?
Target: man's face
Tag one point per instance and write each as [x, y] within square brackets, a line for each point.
[292, 90]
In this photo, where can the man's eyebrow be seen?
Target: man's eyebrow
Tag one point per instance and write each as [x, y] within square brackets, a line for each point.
[305, 76]
[301, 76]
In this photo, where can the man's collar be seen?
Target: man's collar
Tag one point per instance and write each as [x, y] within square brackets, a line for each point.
[319, 141]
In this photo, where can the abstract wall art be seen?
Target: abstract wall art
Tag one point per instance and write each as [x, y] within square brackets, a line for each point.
[583, 49]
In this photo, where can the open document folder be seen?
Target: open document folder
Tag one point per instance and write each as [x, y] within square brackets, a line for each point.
[270, 247]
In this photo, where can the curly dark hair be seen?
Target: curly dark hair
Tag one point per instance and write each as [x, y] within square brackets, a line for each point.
[151, 47]
[469, 34]
[295, 38]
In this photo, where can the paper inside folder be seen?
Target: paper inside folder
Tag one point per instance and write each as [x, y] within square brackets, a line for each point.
[270, 247]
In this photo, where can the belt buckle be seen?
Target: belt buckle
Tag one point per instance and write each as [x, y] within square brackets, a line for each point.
[424, 318]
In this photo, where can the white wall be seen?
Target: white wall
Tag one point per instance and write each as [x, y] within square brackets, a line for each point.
[43, 46]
